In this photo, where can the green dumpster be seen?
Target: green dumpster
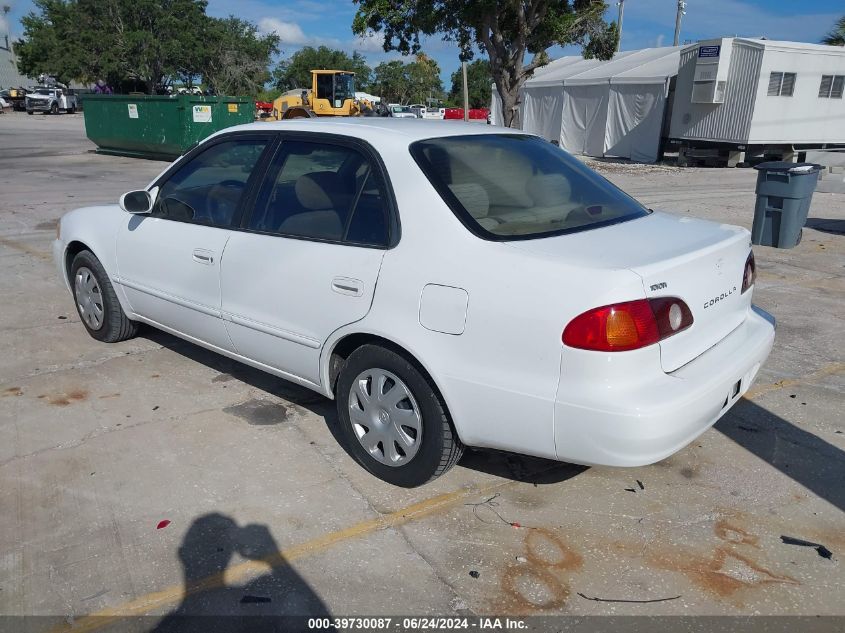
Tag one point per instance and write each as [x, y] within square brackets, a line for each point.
[159, 126]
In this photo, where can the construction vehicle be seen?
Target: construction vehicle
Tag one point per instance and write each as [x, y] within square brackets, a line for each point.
[332, 93]
[17, 97]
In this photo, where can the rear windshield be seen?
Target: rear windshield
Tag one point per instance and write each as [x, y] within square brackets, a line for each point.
[505, 187]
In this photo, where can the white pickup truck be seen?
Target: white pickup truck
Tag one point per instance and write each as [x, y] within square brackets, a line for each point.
[52, 100]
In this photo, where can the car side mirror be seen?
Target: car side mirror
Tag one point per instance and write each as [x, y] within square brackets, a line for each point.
[138, 202]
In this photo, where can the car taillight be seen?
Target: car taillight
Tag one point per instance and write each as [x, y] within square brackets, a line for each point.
[749, 275]
[629, 325]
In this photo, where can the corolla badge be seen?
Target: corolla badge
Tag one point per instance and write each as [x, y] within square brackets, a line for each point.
[721, 297]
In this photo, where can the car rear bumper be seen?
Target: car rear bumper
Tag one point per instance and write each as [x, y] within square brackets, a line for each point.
[612, 410]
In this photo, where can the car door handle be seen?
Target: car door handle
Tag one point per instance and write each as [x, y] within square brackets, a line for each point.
[348, 286]
[203, 256]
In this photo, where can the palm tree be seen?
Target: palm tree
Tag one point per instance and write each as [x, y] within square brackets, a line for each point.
[837, 36]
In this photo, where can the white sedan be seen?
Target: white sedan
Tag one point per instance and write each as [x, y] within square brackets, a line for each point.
[447, 284]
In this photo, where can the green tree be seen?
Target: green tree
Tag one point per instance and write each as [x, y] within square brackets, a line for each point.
[142, 43]
[506, 30]
[390, 82]
[423, 76]
[836, 37]
[479, 82]
[46, 46]
[295, 71]
[412, 82]
[603, 45]
[234, 57]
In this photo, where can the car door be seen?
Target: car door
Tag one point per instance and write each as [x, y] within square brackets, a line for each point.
[169, 261]
[307, 258]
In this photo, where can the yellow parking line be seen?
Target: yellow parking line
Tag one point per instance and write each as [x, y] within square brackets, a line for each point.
[171, 596]
[828, 370]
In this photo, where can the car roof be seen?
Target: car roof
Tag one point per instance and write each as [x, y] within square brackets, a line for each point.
[377, 129]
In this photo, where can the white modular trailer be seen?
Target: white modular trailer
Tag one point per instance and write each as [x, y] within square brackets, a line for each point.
[601, 108]
[759, 94]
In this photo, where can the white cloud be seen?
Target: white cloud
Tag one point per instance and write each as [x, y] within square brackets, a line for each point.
[292, 35]
[289, 32]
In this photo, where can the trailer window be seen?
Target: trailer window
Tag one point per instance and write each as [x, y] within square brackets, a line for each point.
[781, 84]
[831, 86]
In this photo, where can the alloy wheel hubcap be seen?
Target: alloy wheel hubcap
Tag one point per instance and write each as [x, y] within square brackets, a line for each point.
[89, 299]
[385, 417]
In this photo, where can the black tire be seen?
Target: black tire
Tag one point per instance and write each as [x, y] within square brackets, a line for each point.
[30, 112]
[115, 326]
[54, 109]
[440, 447]
[71, 110]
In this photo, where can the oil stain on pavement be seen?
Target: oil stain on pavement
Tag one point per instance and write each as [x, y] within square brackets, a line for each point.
[259, 412]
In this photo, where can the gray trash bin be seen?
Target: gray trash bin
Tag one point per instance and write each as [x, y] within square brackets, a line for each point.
[784, 192]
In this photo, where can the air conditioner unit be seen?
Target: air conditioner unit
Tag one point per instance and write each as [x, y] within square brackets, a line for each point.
[712, 63]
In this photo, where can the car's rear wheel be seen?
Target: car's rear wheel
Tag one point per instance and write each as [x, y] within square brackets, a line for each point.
[54, 109]
[96, 301]
[392, 419]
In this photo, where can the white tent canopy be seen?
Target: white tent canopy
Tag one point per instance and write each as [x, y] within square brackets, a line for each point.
[610, 108]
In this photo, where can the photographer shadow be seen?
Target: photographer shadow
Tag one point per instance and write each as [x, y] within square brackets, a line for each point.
[279, 600]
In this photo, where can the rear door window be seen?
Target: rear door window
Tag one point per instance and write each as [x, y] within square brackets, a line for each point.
[322, 191]
[504, 186]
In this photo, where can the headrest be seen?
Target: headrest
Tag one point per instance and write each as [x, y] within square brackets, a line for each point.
[319, 190]
[549, 189]
[473, 197]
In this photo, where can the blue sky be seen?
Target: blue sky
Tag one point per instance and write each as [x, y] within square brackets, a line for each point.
[647, 23]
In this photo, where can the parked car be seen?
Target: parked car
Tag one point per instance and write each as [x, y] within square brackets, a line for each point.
[52, 100]
[400, 112]
[418, 109]
[447, 284]
[434, 113]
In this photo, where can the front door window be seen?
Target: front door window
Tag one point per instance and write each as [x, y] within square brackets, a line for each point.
[208, 188]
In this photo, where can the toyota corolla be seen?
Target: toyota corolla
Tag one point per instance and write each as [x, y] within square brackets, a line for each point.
[447, 284]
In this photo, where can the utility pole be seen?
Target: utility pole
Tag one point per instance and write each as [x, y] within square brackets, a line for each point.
[466, 92]
[621, 5]
[6, 8]
[682, 5]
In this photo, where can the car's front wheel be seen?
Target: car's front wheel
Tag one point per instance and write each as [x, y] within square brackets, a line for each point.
[54, 109]
[392, 419]
[96, 301]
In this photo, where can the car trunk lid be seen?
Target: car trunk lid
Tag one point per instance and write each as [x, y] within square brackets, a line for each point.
[698, 261]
